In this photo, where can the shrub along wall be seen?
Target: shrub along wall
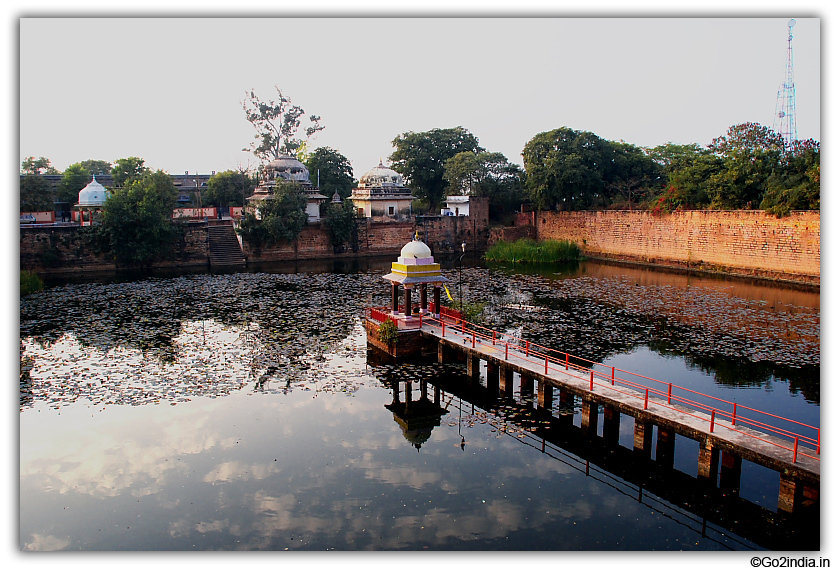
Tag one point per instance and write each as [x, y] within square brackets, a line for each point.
[743, 242]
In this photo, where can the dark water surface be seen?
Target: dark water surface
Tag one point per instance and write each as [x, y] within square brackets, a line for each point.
[243, 411]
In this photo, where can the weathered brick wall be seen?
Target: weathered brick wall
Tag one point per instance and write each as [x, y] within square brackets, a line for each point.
[447, 233]
[511, 234]
[314, 243]
[750, 242]
[56, 249]
[383, 238]
[60, 249]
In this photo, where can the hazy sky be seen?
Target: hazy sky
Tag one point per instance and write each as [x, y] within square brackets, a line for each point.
[170, 90]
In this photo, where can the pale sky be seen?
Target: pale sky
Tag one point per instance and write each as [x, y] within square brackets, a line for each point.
[170, 90]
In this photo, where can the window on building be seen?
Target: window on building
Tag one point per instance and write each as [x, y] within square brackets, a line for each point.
[390, 210]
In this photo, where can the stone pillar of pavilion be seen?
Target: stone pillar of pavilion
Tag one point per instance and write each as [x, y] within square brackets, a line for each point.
[414, 268]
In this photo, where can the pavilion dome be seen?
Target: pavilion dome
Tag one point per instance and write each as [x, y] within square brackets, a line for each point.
[288, 168]
[94, 194]
[381, 176]
[416, 249]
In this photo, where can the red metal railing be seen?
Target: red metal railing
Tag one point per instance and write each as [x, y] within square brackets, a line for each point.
[636, 385]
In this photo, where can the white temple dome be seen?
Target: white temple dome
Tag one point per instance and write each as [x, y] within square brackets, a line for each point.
[416, 249]
[94, 194]
[289, 168]
[381, 176]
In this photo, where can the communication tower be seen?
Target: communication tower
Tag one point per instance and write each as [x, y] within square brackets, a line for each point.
[784, 121]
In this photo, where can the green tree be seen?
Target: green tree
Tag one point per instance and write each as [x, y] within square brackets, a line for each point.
[333, 171]
[340, 220]
[631, 175]
[686, 170]
[32, 165]
[36, 194]
[487, 174]
[74, 179]
[277, 124]
[229, 188]
[750, 154]
[797, 185]
[278, 218]
[137, 219]
[673, 157]
[566, 169]
[420, 157]
[128, 169]
[97, 167]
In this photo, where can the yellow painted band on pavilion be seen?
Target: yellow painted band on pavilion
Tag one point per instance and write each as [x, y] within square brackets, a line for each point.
[414, 268]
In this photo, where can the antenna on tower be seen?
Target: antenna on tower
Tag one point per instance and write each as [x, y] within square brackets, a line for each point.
[784, 122]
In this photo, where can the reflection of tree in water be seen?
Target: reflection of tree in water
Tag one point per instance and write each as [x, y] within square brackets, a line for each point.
[738, 341]
[742, 372]
[287, 321]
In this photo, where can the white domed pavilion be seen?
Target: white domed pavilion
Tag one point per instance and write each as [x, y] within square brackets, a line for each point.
[415, 268]
[91, 199]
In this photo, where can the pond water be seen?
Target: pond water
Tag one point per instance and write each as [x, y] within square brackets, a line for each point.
[244, 411]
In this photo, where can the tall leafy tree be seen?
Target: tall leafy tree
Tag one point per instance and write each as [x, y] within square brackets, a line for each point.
[340, 221]
[277, 124]
[672, 157]
[126, 170]
[631, 175]
[686, 170]
[137, 219]
[797, 185]
[566, 169]
[487, 174]
[229, 188]
[36, 194]
[750, 153]
[75, 178]
[420, 157]
[332, 170]
[32, 165]
[97, 167]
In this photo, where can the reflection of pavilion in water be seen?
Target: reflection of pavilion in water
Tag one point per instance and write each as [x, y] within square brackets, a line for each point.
[416, 418]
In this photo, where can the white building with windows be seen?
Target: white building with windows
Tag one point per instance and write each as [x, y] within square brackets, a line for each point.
[456, 206]
[382, 196]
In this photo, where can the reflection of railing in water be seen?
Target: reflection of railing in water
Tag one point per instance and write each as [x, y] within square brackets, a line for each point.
[678, 496]
[588, 469]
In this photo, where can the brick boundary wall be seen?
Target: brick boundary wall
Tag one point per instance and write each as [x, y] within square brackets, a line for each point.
[750, 243]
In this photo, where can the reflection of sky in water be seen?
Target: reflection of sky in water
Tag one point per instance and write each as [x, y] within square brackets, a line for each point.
[317, 466]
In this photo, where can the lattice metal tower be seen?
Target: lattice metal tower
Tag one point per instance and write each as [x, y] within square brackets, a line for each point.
[784, 122]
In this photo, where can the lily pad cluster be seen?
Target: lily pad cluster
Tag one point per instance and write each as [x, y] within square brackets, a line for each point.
[167, 340]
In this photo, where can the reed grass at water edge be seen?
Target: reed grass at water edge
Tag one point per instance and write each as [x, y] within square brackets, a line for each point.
[532, 251]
